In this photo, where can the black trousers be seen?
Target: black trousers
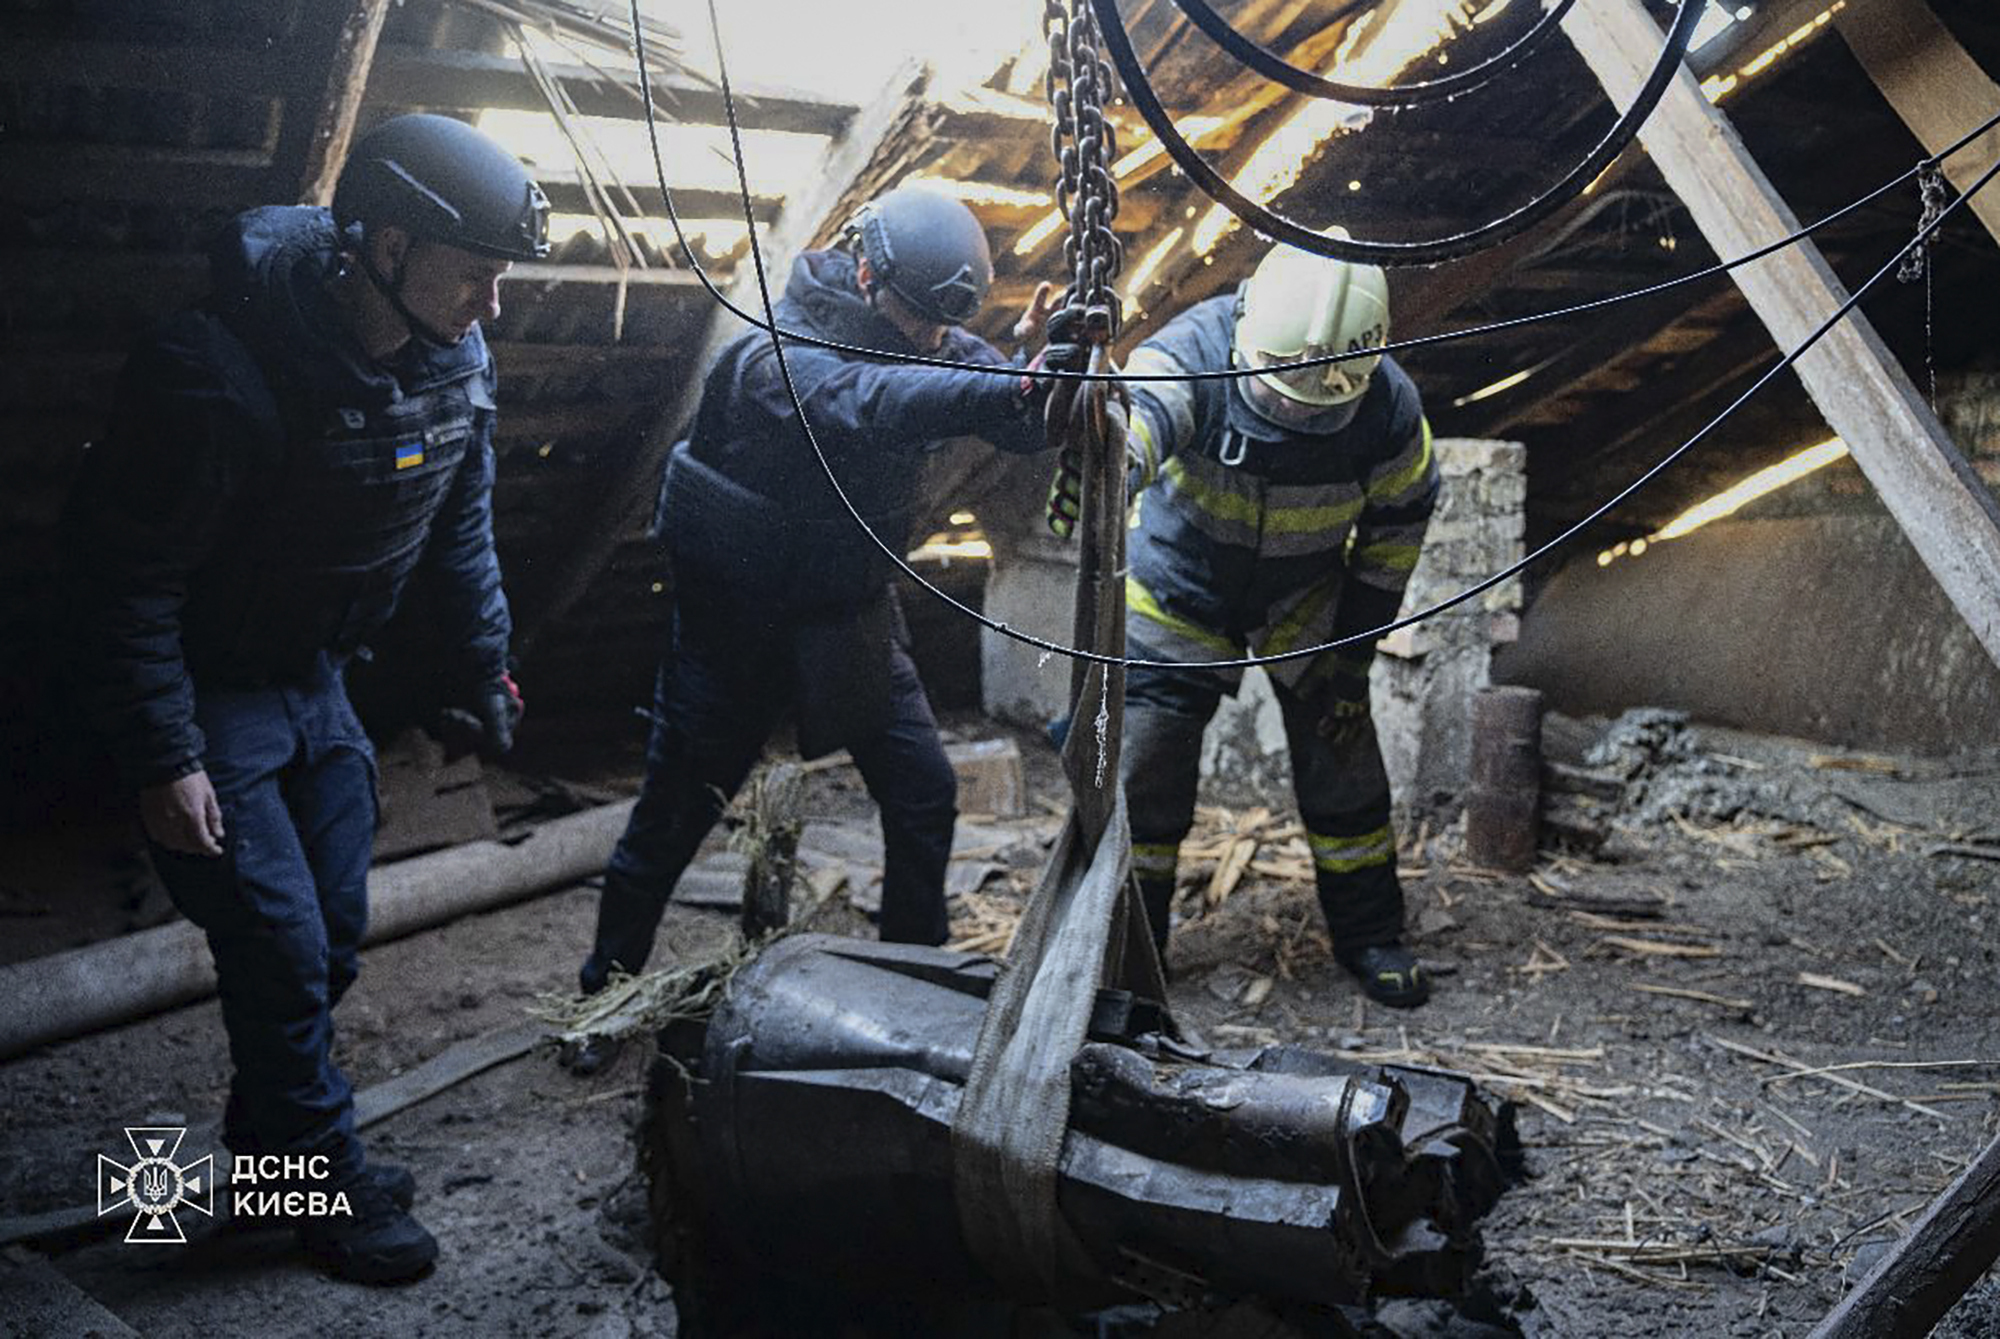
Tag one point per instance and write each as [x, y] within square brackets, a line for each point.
[724, 686]
[1340, 784]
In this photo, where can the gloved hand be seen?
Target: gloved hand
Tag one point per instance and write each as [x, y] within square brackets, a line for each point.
[1066, 493]
[1066, 351]
[1345, 716]
[1065, 501]
[485, 728]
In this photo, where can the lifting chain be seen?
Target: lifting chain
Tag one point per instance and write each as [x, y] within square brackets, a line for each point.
[1085, 145]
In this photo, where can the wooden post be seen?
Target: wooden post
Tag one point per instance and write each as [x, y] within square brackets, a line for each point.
[629, 496]
[1932, 1266]
[1938, 90]
[1943, 507]
[347, 81]
[1503, 805]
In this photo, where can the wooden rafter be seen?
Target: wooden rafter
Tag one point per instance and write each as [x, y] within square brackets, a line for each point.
[1950, 518]
[346, 83]
[412, 76]
[1938, 89]
[850, 167]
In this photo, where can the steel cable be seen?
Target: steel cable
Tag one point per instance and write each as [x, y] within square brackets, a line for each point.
[778, 338]
[1438, 249]
[1278, 70]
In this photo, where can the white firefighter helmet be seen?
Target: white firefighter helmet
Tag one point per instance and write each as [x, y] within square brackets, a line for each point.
[1297, 305]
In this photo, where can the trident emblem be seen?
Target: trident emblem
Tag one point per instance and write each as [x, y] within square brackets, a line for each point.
[155, 1185]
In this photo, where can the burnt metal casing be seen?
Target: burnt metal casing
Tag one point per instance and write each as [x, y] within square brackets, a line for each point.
[814, 1144]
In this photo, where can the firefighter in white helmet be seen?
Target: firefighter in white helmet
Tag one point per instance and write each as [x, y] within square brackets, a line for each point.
[1270, 513]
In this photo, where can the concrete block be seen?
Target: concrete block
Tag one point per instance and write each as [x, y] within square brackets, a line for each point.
[1033, 590]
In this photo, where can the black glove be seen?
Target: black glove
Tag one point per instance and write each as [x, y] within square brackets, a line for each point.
[1345, 713]
[1065, 351]
[485, 728]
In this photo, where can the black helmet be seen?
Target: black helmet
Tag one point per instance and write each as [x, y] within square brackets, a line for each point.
[928, 248]
[445, 182]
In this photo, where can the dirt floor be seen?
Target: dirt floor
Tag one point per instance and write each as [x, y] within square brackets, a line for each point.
[1758, 908]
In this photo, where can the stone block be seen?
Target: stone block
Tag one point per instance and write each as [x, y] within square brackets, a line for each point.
[989, 777]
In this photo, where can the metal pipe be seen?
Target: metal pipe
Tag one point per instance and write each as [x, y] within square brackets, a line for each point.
[101, 985]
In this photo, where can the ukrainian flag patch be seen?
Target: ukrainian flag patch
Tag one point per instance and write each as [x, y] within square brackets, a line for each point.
[408, 454]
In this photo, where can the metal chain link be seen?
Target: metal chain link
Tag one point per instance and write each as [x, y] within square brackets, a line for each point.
[1085, 145]
[1930, 181]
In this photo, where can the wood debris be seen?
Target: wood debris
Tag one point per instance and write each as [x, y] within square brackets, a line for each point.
[1689, 993]
[1656, 948]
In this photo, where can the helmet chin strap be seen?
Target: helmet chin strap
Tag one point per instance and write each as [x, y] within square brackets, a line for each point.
[392, 289]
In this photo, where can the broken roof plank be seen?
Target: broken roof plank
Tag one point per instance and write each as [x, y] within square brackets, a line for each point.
[413, 76]
[556, 272]
[137, 173]
[1942, 506]
[324, 142]
[567, 196]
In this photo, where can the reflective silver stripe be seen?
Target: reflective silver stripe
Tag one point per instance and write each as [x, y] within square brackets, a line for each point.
[1175, 398]
[1303, 543]
[1158, 859]
[1344, 855]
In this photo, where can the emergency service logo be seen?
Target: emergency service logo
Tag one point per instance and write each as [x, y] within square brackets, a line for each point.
[155, 1185]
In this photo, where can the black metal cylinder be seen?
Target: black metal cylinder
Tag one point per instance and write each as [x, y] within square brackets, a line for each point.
[801, 1142]
[1503, 806]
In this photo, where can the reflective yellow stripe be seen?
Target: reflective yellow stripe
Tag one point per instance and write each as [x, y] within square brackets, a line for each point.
[1149, 466]
[1227, 506]
[1141, 602]
[1344, 855]
[1285, 634]
[1400, 482]
[1311, 520]
[1395, 557]
[1156, 858]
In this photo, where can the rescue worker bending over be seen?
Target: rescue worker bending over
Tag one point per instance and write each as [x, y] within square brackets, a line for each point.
[282, 462]
[780, 601]
[1277, 512]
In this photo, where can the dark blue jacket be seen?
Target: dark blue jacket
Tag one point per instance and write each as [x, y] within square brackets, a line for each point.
[1248, 532]
[265, 493]
[745, 501]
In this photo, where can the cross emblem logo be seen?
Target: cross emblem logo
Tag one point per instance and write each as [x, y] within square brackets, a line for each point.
[155, 1185]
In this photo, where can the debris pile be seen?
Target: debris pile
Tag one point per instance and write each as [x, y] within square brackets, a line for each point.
[1655, 755]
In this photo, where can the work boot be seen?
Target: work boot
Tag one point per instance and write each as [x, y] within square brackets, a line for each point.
[398, 1183]
[377, 1243]
[588, 1055]
[1389, 973]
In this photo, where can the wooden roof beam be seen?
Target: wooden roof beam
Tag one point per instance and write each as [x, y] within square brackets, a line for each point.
[1938, 89]
[332, 132]
[628, 496]
[566, 196]
[1945, 510]
[412, 76]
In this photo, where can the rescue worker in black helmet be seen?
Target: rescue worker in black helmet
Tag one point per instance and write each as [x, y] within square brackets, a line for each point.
[283, 461]
[1272, 513]
[780, 601]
